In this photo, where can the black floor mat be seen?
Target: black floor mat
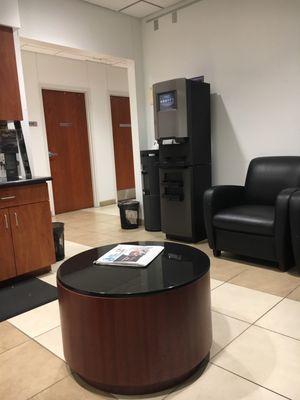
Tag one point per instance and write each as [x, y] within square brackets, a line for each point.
[24, 296]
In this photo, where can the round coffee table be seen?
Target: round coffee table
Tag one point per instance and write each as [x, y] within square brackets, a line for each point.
[136, 330]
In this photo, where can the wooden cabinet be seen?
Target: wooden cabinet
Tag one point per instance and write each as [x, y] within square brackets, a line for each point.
[10, 103]
[26, 241]
[7, 259]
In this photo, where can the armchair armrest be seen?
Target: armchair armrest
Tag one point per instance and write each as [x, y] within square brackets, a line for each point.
[295, 225]
[217, 198]
[282, 228]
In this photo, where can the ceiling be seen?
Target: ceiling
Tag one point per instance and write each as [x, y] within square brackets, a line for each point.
[139, 9]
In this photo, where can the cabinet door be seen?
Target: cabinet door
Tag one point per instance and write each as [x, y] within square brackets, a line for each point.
[10, 103]
[32, 236]
[7, 259]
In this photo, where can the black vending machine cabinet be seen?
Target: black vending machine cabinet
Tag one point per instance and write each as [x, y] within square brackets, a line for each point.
[151, 196]
[182, 129]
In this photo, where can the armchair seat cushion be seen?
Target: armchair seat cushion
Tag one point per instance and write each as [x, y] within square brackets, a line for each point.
[256, 219]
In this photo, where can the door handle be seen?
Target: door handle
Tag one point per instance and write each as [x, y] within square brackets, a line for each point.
[52, 154]
[7, 198]
[124, 125]
[16, 219]
[6, 221]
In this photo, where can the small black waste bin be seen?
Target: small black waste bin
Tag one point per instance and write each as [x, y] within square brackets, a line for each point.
[129, 213]
[59, 241]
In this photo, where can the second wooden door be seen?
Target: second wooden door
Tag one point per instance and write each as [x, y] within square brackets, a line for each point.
[121, 123]
[68, 145]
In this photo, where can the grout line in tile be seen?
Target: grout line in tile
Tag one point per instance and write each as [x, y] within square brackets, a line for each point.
[275, 305]
[33, 340]
[230, 316]
[249, 380]
[34, 337]
[48, 387]
[17, 345]
[41, 334]
[277, 333]
[292, 292]
[223, 348]
[221, 284]
[250, 325]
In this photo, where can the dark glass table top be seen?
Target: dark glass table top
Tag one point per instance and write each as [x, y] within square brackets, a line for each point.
[177, 265]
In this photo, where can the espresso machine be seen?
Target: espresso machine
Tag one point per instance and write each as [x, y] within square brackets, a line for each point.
[12, 151]
[182, 130]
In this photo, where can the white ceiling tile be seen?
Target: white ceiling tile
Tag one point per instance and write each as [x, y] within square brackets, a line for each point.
[141, 9]
[165, 3]
[112, 4]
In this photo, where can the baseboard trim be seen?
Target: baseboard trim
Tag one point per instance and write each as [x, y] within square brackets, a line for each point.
[107, 202]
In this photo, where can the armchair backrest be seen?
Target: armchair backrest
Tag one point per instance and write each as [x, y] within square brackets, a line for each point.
[267, 176]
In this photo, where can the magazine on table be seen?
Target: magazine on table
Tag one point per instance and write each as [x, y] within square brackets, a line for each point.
[130, 255]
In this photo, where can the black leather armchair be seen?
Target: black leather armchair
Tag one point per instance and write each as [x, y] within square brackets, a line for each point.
[253, 220]
[295, 225]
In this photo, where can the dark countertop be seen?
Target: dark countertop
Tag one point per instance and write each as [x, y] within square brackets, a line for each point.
[176, 266]
[21, 182]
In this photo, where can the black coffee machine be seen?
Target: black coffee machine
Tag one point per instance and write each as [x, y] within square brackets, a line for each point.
[182, 129]
[12, 145]
[151, 196]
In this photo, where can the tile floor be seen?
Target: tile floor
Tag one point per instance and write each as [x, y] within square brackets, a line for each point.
[256, 324]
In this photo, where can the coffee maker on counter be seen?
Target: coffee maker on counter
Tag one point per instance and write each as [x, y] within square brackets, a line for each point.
[182, 130]
[13, 152]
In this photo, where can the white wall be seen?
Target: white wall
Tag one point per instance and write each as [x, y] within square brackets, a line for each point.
[98, 81]
[84, 26]
[250, 53]
[9, 13]
[81, 25]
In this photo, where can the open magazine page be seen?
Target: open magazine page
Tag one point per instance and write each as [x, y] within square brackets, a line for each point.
[130, 255]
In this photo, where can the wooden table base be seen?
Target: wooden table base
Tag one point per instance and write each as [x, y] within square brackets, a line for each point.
[137, 344]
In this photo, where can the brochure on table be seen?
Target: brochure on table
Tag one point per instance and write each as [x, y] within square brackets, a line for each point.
[130, 255]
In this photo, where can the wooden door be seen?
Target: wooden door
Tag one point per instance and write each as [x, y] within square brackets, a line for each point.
[121, 123]
[10, 103]
[32, 236]
[7, 257]
[68, 145]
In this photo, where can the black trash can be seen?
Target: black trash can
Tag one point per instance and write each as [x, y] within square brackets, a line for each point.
[129, 213]
[59, 240]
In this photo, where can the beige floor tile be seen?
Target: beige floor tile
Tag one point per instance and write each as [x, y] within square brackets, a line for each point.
[225, 270]
[242, 303]
[270, 281]
[218, 384]
[266, 358]
[203, 246]
[52, 340]
[27, 369]
[50, 277]
[71, 249]
[39, 320]
[10, 337]
[70, 389]
[91, 240]
[112, 209]
[295, 294]
[283, 318]
[225, 329]
[214, 283]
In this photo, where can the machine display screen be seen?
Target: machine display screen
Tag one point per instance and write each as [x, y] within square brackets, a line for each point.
[167, 101]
